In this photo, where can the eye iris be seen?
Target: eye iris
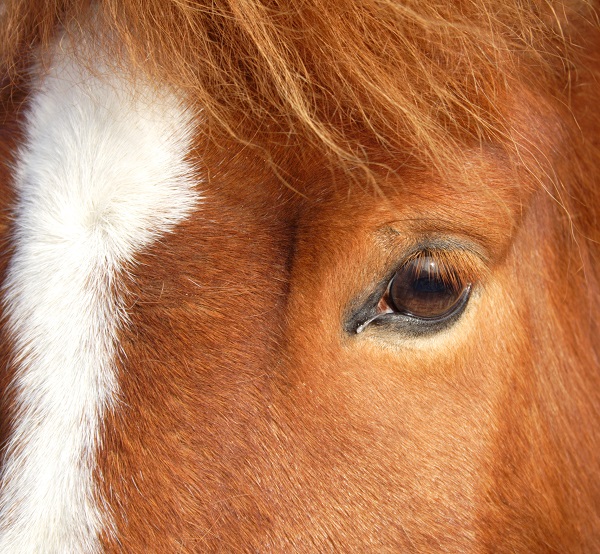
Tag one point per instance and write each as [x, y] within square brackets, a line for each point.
[421, 289]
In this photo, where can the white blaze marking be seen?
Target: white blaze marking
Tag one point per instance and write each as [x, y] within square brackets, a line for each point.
[102, 173]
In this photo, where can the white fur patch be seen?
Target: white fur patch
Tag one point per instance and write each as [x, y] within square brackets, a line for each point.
[102, 174]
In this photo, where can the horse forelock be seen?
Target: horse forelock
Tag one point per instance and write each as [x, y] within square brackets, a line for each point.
[346, 78]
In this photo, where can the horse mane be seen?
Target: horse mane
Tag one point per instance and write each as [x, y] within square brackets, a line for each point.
[346, 77]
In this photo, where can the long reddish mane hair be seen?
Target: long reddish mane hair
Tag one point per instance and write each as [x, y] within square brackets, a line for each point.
[340, 75]
[334, 140]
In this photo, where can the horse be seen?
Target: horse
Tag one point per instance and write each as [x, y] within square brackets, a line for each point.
[308, 277]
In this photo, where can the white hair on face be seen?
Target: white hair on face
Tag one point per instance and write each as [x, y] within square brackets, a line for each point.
[102, 173]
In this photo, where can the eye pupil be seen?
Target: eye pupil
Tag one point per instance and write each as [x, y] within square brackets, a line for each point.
[421, 289]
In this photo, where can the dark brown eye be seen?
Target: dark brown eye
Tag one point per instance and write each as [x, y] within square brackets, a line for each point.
[423, 289]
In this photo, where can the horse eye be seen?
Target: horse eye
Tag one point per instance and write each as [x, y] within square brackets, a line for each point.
[422, 290]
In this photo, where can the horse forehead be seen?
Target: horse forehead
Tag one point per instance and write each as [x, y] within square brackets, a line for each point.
[246, 209]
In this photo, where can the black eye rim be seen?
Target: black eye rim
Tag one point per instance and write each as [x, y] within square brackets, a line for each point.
[366, 314]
